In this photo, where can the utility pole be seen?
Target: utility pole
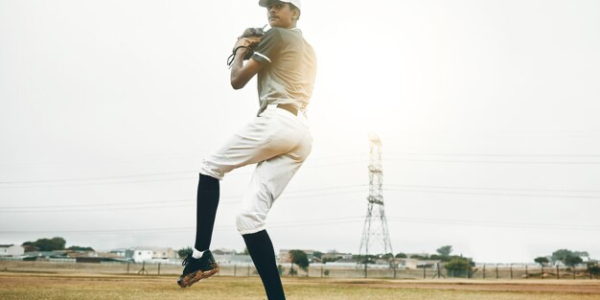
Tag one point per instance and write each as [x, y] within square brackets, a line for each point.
[375, 230]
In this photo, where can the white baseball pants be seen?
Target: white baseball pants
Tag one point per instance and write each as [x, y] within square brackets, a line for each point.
[279, 142]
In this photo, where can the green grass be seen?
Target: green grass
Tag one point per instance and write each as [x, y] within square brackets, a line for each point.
[114, 287]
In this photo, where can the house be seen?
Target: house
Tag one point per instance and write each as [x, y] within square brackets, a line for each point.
[11, 250]
[224, 251]
[334, 256]
[121, 252]
[411, 263]
[233, 259]
[140, 254]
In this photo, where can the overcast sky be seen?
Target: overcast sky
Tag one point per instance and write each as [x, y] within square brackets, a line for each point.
[487, 110]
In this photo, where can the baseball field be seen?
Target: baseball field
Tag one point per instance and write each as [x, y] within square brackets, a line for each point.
[39, 286]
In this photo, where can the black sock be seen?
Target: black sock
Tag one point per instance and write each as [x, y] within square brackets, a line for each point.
[206, 211]
[263, 255]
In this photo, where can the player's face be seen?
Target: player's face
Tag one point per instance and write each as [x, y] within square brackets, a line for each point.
[281, 14]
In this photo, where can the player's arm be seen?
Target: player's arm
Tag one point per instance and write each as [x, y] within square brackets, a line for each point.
[242, 73]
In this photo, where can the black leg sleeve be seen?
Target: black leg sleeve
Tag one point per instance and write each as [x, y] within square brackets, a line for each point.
[263, 255]
[206, 211]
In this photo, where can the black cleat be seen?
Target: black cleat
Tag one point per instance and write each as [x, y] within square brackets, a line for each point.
[197, 269]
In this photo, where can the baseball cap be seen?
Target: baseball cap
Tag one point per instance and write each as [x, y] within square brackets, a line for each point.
[296, 3]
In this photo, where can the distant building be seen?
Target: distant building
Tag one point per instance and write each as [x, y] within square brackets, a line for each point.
[121, 252]
[11, 250]
[233, 259]
[140, 254]
[411, 263]
[224, 251]
[336, 256]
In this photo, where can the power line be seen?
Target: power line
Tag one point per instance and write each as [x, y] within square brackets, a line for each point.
[496, 224]
[522, 162]
[493, 188]
[306, 193]
[174, 201]
[65, 182]
[492, 194]
[329, 221]
[28, 183]
[317, 222]
[165, 205]
[491, 154]
[186, 156]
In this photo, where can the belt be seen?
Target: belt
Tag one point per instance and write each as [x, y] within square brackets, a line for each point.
[289, 107]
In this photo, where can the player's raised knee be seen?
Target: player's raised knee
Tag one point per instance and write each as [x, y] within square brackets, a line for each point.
[249, 222]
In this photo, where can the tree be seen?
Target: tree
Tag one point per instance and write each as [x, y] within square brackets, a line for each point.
[401, 255]
[79, 248]
[318, 254]
[459, 264]
[29, 247]
[582, 254]
[444, 250]
[592, 268]
[573, 261]
[56, 243]
[387, 256]
[300, 258]
[422, 257]
[185, 252]
[561, 255]
[568, 257]
[369, 259]
[542, 260]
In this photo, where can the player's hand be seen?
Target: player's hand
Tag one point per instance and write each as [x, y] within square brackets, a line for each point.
[247, 41]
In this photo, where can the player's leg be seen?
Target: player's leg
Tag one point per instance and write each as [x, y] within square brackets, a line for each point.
[268, 182]
[247, 146]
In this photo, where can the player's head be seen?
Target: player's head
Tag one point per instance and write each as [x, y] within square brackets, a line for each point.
[282, 13]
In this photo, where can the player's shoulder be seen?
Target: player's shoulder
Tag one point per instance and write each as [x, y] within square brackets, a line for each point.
[283, 32]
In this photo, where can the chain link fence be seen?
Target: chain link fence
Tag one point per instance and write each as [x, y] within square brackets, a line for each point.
[481, 271]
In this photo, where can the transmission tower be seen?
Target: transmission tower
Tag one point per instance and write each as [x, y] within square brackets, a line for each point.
[375, 235]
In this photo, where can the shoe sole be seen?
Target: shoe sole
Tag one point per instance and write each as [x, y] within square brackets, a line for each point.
[194, 277]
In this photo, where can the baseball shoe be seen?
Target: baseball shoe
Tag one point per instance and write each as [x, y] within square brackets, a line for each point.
[197, 269]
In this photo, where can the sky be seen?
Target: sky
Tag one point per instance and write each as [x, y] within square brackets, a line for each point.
[487, 113]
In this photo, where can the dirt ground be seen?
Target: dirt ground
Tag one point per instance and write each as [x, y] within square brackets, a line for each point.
[39, 286]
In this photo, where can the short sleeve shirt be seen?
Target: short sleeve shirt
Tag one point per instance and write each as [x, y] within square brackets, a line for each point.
[289, 68]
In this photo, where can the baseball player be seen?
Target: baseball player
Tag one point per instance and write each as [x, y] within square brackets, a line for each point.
[278, 140]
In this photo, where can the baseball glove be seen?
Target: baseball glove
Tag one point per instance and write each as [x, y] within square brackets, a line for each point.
[250, 32]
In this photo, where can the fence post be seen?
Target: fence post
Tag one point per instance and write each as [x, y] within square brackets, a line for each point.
[497, 276]
[424, 272]
[511, 276]
[127, 267]
[234, 270]
[321, 270]
[557, 272]
[159, 269]
[483, 271]
[574, 271]
[526, 273]
[542, 274]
